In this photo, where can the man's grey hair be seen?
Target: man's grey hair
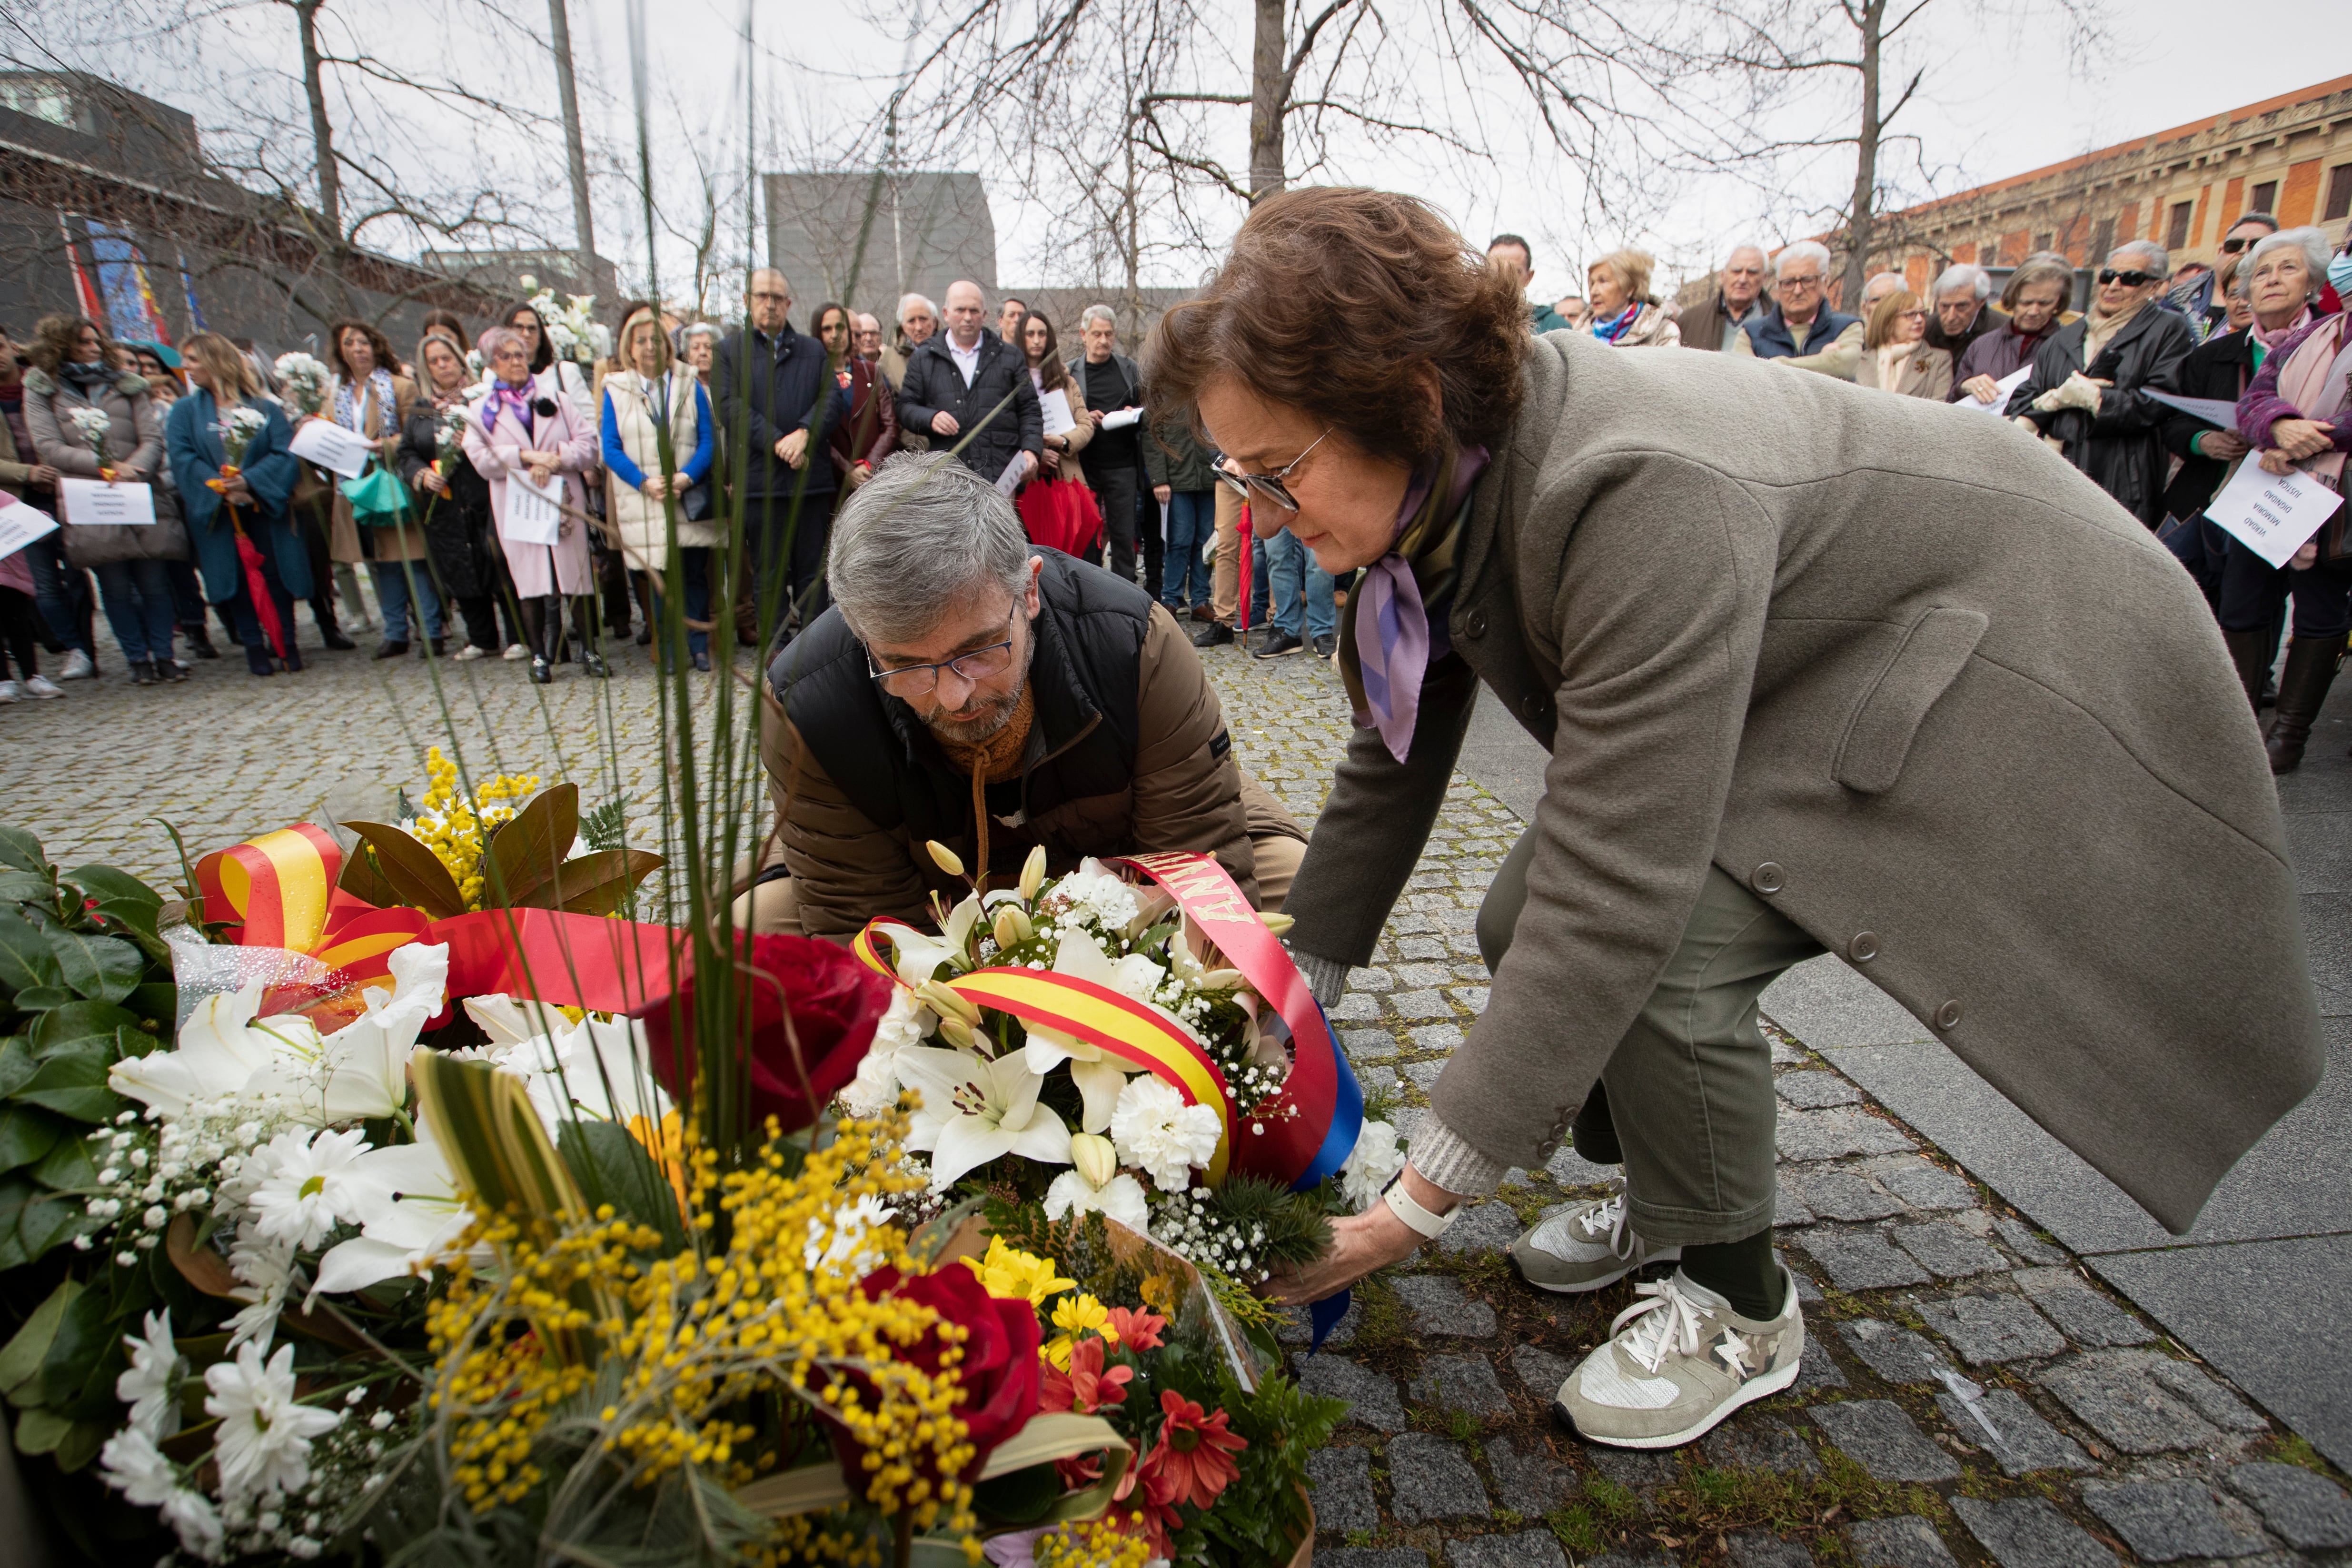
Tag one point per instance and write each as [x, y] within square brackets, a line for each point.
[2157, 259]
[697, 330]
[1762, 255]
[774, 272]
[1093, 313]
[920, 534]
[1812, 250]
[1961, 275]
[906, 300]
[2312, 242]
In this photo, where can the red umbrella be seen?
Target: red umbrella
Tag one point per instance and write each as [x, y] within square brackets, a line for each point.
[257, 587]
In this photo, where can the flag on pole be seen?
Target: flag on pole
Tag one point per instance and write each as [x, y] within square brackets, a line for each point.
[85, 297]
[130, 306]
[188, 292]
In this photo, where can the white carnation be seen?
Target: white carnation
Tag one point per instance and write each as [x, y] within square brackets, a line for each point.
[875, 1089]
[1155, 1130]
[1371, 1165]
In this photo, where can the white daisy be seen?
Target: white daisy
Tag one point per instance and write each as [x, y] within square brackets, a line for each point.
[264, 1447]
[150, 1386]
[303, 1196]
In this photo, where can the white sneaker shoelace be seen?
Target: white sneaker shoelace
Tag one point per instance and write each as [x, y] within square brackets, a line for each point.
[1603, 1223]
[1669, 1322]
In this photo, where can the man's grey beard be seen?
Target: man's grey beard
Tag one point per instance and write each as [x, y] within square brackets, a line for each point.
[972, 733]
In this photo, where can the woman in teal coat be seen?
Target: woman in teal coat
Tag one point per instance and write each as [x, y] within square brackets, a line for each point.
[264, 478]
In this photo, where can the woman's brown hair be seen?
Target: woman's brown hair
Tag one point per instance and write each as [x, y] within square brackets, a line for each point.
[1883, 317]
[55, 338]
[385, 360]
[233, 373]
[1341, 302]
[629, 314]
[1050, 370]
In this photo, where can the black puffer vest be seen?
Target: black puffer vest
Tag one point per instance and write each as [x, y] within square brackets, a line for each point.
[1086, 676]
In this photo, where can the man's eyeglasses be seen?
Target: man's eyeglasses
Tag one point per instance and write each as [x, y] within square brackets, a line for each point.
[2134, 278]
[1270, 486]
[908, 681]
[1788, 283]
[2232, 246]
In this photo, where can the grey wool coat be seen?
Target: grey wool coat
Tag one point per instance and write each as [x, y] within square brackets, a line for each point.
[1899, 670]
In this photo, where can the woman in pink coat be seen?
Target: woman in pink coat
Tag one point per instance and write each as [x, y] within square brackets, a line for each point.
[527, 425]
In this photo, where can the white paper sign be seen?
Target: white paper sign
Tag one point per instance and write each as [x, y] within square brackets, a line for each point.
[1055, 406]
[2007, 384]
[1014, 472]
[534, 516]
[95, 501]
[333, 448]
[2276, 514]
[21, 525]
[1120, 419]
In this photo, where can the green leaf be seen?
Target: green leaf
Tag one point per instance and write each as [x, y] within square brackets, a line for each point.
[1023, 1497]
[416, 874]
[43, 998]
[49, 1223]
[157, 1003]
[611, 1167]
[81, 1443]
[20, 1359]
[361, 881]
[17, 1064]
[40, 1431]
[129, 1042]
[26, 1134]
[79, 1024]
[25, 888]
[88, 1338]
[105, 882]
[17, 1191]
[525, 850]
[21, 850]
[102, 968]
[73, 1083]
[69, 1166]
[26, 960]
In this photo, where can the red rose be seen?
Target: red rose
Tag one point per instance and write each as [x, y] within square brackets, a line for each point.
[1000, 1376]
[833, 1000]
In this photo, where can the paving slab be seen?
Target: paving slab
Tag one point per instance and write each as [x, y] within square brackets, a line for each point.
[1431, 1478]
[1362, 1557]
[1947, 1251]
[1639, 1557]
[2112, 1392]
[1815, 1089]
[1923, 1183]
[2084, 1315]
[2027, 1444]
[1895, 1353]
[1750, 1441]
[1483, 1228]
[1638, 1469]
[1989, 1327]
[1789, 1210]
[1530, 1483]
[1298, 1329]
[1440, 1306]
[1570, 1169]
[1860, 1259]
[1825, 1004]
[1906, 1540]
[2310, 1512]
[1465, 1384]
[2029, 1532]
[1762, 1548]
[2021, 1240]
[1540, 1372]
[1340, 1482]
[1843, 1193]
[1368, 1045]
[1877, 1434]
[1372, 1399]
[1525, 1549]
[1836, 1132]
[2165, 1520]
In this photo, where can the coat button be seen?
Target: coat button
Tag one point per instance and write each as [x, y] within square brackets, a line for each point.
[1535, 705]
[1863, 947]
[1767, 878]
[1475, 624]
[1947, 1015]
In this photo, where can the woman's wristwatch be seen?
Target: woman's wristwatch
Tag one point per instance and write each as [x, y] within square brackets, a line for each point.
[1402, 1204]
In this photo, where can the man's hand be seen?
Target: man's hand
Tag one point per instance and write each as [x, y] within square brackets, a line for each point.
[1095, 414]
[944, 423]
[234, 489]
[794, 448]
[428, 478]
[1160, 494]
[2222, 444]
[1370, 1240]
[2304, 559]
[1983, 388]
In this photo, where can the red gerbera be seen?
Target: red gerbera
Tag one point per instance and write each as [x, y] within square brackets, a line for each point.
[1193, 1461]
[1087, 1387]
[1138, 1328]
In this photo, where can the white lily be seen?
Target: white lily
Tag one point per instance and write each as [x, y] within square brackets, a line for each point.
[508, 1022]
[362, 1070]
[1098, 1074]
[904, 1023]
[410, 1215]
[220, 1049]
[975, 1110]
[919, 956]
[1095, 1185]
[592, 1071]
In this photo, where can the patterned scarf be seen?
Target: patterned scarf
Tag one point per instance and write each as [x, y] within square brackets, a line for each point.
[1394, 625]
[517, 398]
[347, 403]
[2270, 338]
[1617, 326]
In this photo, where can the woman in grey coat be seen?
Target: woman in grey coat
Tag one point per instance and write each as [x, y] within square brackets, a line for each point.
[1818, 670]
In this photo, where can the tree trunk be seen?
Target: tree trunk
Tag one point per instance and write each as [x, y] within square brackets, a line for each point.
[558, 25]
[1861, 216]
[1268, 89]
[323, 134]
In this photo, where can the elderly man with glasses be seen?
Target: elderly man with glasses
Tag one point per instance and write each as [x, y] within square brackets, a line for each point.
[1800, 330]
[971, 688]
[2088, 393]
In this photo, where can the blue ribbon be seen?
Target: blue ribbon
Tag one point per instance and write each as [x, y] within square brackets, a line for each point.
[1338, 1143]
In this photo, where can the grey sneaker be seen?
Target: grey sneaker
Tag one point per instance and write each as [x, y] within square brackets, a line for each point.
[1584, 1247]
[1678, 1362]
[77, 667]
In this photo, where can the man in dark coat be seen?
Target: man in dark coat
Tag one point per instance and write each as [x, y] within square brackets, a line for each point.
[968, 389]
[767, 385]
[1738, 298]
[2089, 387]
[1113, 460]
[1962, 312]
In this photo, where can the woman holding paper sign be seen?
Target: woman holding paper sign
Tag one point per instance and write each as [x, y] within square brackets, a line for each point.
[251, 500]
[1816, 669]
[527, 429]
[91, 421]
[2295, 413]
[370, 398]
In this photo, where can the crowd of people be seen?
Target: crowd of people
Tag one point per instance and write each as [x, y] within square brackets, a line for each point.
[646, 453]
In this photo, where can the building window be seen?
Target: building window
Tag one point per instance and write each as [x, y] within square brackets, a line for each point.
[41, 99]
[2102, 240]
[2339, 192]
[2266, 197]
[2041, 241]
[2176, 233]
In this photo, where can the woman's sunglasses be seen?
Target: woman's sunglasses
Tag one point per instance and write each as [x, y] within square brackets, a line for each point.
[1270, 486]
[2132, 279]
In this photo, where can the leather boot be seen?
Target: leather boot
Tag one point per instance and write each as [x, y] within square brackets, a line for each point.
[2251, 657]
[2310, 672]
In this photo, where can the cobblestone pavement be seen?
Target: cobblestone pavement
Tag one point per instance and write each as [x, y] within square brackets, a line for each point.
[1968, 1394]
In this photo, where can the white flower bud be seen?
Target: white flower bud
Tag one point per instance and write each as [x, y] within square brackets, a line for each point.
[1095, 1157]
[1033, 873]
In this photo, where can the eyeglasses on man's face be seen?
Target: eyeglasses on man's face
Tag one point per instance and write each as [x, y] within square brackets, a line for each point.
[908, 681]
[1271, 485]
[1800, 282]
[2132, 279]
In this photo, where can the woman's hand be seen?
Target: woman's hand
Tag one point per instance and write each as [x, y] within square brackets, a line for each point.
[2304, 559]
[542, 466]
[236, 490]
[2300, 438]
[1983, 388]
[43, 474]
[1362, 1243]
[653, 487]
[428, 478]
[2274, 461]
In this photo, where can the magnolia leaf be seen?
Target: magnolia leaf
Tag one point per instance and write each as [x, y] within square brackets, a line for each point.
[22, 851]
[201, 1266]
[26, 1134]
[361, 881]
[611, 1167]
[79, 1026]
[102, 968]
[69, 1166]
[21, 1358]
[17, 1064]
[78, 1373]
[414, 873]
[73, 1083]
[595, 884]
[81, 1443]
[40, 1431]
[1021, 1498]
[525, 850]
[26, 960]
[107, 884]
[25, 888]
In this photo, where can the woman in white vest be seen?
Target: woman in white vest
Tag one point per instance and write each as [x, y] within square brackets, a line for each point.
[652, 396]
